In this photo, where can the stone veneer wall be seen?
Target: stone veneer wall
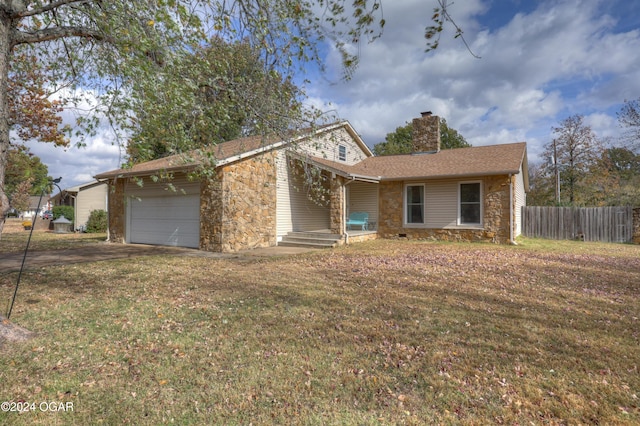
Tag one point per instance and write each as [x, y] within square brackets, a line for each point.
[496, 215]
[116, 214]
[238, 208]
[497, 208]
[211, 213]
[636, 225]
[337, 206]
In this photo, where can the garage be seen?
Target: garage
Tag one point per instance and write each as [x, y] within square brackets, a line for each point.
[160, 216]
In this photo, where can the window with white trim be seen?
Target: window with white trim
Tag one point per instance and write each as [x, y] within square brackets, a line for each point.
[414, 204]
[342, 153]
[470, 207]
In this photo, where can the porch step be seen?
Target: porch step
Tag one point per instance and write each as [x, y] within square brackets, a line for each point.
[309, 239]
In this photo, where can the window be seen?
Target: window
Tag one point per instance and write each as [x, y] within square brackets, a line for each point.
[470, 204]
[414, 202]
[342, 153]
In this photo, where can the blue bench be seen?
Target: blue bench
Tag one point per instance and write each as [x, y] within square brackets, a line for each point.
[358, 219]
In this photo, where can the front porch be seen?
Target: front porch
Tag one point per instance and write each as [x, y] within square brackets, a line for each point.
[314, 211]
[324, 238]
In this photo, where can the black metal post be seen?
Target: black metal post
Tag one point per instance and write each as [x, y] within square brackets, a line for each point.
[26, 249]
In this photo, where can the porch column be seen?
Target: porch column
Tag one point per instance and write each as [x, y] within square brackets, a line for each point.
[337, 205]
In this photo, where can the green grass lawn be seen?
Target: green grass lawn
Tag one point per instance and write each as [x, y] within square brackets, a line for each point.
[383, 332]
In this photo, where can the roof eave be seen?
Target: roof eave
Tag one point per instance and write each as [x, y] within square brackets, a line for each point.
[338, 172]
[451, 176]
[124, 173]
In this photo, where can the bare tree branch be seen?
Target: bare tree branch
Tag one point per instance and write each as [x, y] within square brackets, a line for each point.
[55, 34]
[46, 8]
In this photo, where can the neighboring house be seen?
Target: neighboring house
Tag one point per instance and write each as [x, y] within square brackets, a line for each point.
[262, 191]
[84, 199]
[33, 206]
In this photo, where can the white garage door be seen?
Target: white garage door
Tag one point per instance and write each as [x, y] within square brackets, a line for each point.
[171, 220]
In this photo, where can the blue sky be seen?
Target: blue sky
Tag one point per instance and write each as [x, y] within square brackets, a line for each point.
[541, 62]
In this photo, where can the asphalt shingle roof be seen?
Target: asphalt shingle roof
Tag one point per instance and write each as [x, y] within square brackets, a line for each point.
[460, 162]
[220, 152]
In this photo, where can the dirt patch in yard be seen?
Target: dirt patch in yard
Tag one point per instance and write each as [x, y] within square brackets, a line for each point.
[10, 332]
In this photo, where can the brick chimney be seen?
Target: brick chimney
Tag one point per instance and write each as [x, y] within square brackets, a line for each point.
[426, 133]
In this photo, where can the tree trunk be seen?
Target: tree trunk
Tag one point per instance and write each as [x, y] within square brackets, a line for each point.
[5, 50]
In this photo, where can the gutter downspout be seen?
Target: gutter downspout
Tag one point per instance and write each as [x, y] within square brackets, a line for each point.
[344, 210]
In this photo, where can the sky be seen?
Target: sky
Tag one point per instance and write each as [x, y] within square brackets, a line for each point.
[540, 62]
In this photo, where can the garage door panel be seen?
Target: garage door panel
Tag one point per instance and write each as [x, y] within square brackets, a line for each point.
[165, 220]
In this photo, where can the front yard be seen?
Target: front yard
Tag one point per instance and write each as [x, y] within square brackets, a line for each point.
[383, 332]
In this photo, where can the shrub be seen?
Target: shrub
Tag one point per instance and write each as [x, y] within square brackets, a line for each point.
[97, 221]
[66, 211]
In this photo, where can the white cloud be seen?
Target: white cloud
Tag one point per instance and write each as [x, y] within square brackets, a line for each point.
[559, 59]
[546, 61]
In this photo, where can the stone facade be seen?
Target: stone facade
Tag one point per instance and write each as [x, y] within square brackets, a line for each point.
[497, 208]
[238, 207]
[496, 212]
[116, 202]
[211, 213]
[337, 206]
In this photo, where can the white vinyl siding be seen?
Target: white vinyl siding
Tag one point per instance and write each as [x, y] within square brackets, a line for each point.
[295, 212]
[305, 214]
[89, 198]
[327, 146]
[520, 201]
[158, 215]
[363, 197]
[284, 222]
[441, 205]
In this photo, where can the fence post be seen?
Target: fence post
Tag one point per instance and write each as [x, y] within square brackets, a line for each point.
[636, 225]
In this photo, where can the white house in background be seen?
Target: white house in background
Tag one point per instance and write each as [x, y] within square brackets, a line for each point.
[33, 206]
[84, 199]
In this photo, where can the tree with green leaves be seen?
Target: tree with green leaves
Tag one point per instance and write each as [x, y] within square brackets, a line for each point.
[96, 54]
[224, 93]
[616, 176]
[541, 186]
[400, 141]
[22, 166]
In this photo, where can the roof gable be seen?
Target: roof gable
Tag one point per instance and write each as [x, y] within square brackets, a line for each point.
[231, 151]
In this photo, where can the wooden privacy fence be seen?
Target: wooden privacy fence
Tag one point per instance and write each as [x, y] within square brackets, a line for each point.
[607, 224]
